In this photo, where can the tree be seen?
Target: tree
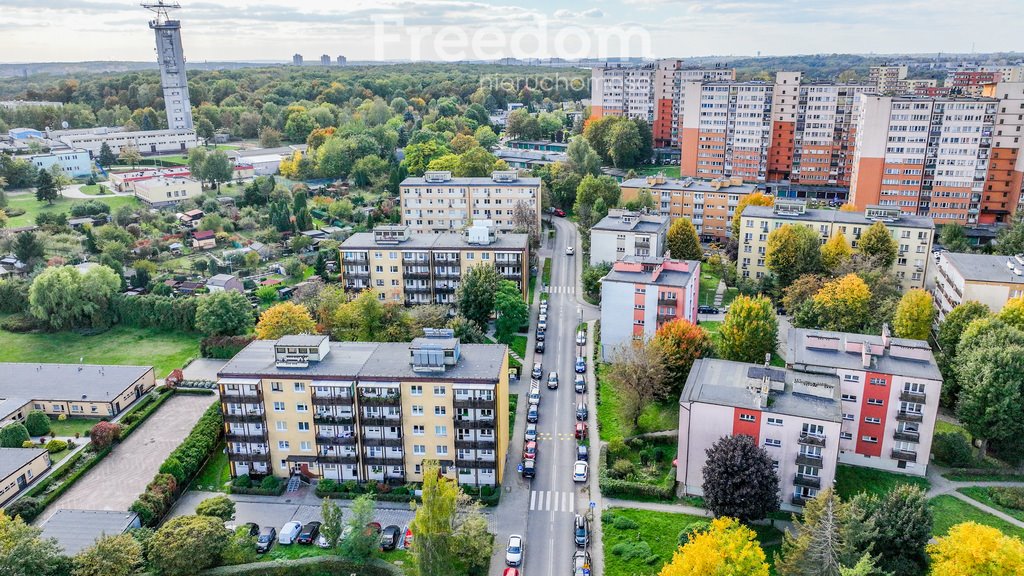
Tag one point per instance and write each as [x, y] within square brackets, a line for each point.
[835, 252]
[240, 548]
[37, 423]
[226, 313]
[331, 527]
[914, 315]
[361, 544]
[682, 241]
[842, 304]
[284, 319]
[103, 434]
[953, 237]
[750, 330]
[728, 548]
[740, 479]
[23, 550]
[299, 125]
[186, 545]
[486, 137]
[948, 339]
[14, 435]
[269, 137]
[29, 248]
[904, 524]
[681, 343]
[825, 541]
[1010, 240]
[792, 252]
[1013, 312]
[800, 291]
[106, 157]
[60, 179]
[639, 376]
[46, 189]
[475, 296]
[130, 155]
[434, 552]
[217, 168]
[877, 242]
[971, 549]
[64, 298]
[511, 310]
[990, 373]
[582, 158]
[205, 130]
[593, 192]
[111, 555]
[755, 199]
[218, 506]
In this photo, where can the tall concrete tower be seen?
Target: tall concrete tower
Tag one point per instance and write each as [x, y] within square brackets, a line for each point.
[171, 58]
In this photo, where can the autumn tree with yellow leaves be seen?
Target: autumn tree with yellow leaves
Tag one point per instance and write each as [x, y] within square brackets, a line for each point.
[970, 549]
[843, 304]
[284, 319]
[728, 548]
[914, 315]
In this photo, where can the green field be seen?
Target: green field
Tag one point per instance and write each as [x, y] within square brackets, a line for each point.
[852, 480]
[655, 417]
[948, 511]
[119, 345]
[518, 345]
[215, 473]
[94, 190]
[984, 495]
[34, 207]
[71, 426]
[668, 171]
[708, 285]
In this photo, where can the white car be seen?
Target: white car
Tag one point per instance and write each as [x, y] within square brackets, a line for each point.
[289, 532]
[579, 471]
[514, 550]
[569, 250]
[581, 338]
[534, 396]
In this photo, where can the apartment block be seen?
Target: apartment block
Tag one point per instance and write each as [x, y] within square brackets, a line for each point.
[913, 235]
[656, 290]
[161, 191]
[623, 233]
[407, 268]
[709, 204]
[886, 78]
[86, 390]
[439, 203]
[928, 156]
[670, 76]
[367, 411]
[971, 82]
[795, 415]
[1004, 182]
[73, 163]
[19, 467]
[956, 278]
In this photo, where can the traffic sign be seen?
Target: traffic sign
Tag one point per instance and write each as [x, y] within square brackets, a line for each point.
[521, 470]
[593, 504]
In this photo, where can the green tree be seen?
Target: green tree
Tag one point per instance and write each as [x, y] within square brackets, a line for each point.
[951, 329]
[582, 158]
[217, 506]
[205, 130]
[187, 544]
[878, 244]
[361, 544]
[990, 373]
[299, 125]
[240, 548]
[1010, 240]
[46, 189]
[953, 237]
[111, 555]
[130, 155]
[23, 550]
[60, 179]
[224, 313]
[638, 373]
[196, 162]
[624, 144]
[592, 278]
[475, 295]
[511, 310]
[64, 298]
[1013, 312]
[477, 162]
[419, 156]
[792, 252]
[740, 479]
[750, 330]
[107, 157]
[217, 168]
[914, 315]
[29, 248]
[825, 541]
[14, 435]
[592, 193]
[486, 137]
[37, 423]
[331, 527]
[432, 525]
[682, 241]
[903, 522]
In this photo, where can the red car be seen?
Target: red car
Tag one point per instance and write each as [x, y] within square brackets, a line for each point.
[530, 451]
[559, 212]
[581, 430]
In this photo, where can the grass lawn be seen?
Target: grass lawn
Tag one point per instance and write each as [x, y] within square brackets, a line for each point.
[513, 403]
[295, 551]
[948, 511]
[546, 274]
[93, 190]
[119, 345]
[708, 285]
[58, 456]
[668, 171]
[655, 417]
[34, 207]
[984, 495]
[993, 477]
[518, 345]
[215, 474]
[852, 480]
[660, 532]
[72, 425]
[712, 327]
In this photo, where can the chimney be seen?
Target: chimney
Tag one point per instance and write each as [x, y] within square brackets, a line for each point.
[885, 336]
[865, 355]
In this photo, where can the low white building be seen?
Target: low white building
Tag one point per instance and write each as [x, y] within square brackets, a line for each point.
[960, 277]
[73, 163]
[624, 233]
[146, 141]
[159, 192]
[265, 165]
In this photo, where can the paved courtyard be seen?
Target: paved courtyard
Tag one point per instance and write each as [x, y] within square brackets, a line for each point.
[116, 481]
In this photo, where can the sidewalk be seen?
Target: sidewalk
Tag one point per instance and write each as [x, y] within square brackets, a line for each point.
[720, 293]
[941, 486]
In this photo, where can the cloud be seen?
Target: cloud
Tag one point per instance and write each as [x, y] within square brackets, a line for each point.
[563, 13]
[593, 13]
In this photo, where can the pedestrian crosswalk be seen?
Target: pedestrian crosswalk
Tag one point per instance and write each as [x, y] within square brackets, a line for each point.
[552, 500]
[561, 289]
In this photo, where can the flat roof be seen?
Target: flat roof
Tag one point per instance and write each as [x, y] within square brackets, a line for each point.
[662, 277]
[448, 241]
[368, 360]
[478, 181]
[76, 530]
[728, 383]
[984, 267]
[638, 223]
[693, 184]
[904, 357]
[839, 217]
[21, 383]
[12, 459]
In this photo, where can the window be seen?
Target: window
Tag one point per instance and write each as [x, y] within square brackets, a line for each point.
[747, 418]
[851, 378]
[418, 430]
[876, 402]
[872, 420]
[300, 387]
[849, 398]
[303, 426]
[418, 468]
[442, 450]
[306, 446]
[440, 411]
[416, 390]
[417, 410]
[302, 408]
[283, 445]
[871, 439]
[419, 449]
[848, 417]
[439, 391]
[281, 426]
[878, 381]
[772, 442]
[845, 436]
[774, 421]
[275, 386]
[440, 430]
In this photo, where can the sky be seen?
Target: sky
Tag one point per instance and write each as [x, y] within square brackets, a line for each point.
[273, 30]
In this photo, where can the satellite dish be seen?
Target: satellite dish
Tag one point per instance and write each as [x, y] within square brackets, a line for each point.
[64, 124]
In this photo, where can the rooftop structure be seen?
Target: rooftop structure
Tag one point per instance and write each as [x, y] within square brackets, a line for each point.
[171, 58]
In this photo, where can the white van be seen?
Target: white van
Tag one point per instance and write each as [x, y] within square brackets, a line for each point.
[289, 532]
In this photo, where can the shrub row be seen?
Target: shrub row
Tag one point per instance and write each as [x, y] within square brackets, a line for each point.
[142, 410]
[20, 323]
[628, 489]
[152, 311]
[223, 347]
[313, 566]
[195, 391]
[269, 486]
[385, 497]
[40, 496]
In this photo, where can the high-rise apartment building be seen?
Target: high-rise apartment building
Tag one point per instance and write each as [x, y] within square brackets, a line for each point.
[669, 78]
[970, 82]
[885, 78]
[1004, 183]
[171, 58]
[439, 203]
[367, 411]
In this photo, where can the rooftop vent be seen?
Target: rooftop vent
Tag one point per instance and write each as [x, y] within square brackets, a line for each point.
[784, 207]
[504, 176]
[437, 176]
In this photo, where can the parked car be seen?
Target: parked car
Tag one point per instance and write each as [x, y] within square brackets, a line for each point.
[251, 528]
[531, 432]
[582, 452]
[533, 414]
[540, 335]
[514, 550]
[529, 468]
[539, 347]
[569, 250]
[580, 383]
[534, 396]
[581, 364]
[581, 338]
[542, 322]
[389, 538]
[559, 212]
[511, 572]
[580, 563]
[552, 380]
[289, 532]
[544, 307]
[707, 310]
[265, 541]
[321, 542]
[309, 533]
[407, 540]
[581, 531]
[537, 372]
[579, 471]
[530, 451]
[581, 430]
[581, 411]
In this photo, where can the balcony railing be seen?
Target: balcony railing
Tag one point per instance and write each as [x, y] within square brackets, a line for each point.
[243, 418]
[383, 461]
[473, 403]
[337, 459]
[251, 398]
[917, 397]
[333, 420]
[474, 444]
[798, 500]
[372, 440]
[263, 457]
[812, 440]
[906, 436]
[475, 424]
[904, 455]
[328, 440]
[809, 460]
[465, 463]
[333, 400]
[806, 480]
[904, 416]
[388, 399]
[662, 301]
[246, 437]
[379, 421]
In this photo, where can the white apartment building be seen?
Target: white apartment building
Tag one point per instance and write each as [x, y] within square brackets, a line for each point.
[439, 203]
[146, 141]
[73, 163]
[956, 278]
[159, 192]
[623, 233]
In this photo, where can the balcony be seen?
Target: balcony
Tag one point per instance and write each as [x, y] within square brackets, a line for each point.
[646, 245]
[473, 403]
[906, 436]
[664, 317]
[337, 459]
[383, 461]
[250, 418]
[812, 440]
[333, 400]
[417, 289]
[474, 444]
[809, 460]
[465, 463]
[262, 457]
[905, 455]
[353, 274]
[251, 398]
[475, 424]
[903, 416]
[446, 289]
[333, 420]
[246, 437]
[798, 500]
[806, 480]
[356, 287]
[326, 440]
[416, 275]
[665, 301]
[386, 400]
[371, 440]
[916, 397]
[379, 421]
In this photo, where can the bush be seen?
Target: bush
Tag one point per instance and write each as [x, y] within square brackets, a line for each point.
[223, 347]
[1010, 497]
[271, 484]
[174, 468]
[622, 468]
[635, 551]
[13, 435]
[28, 508]
[54, 446]
[37, 423]
[243, 481]
[952, 449]
[327, 486]
[20, 323]
[692, 529]
[103, 434]
[616, 447]
[14, 294]
[623, 523]
[28, 444]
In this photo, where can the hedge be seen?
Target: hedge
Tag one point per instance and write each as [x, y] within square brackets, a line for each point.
[142, 410]
[194, 391]
[223, 347]
[65, 481]
[14, 296]
[152, 311]
[380, 497]
[257, 491]
[628, 489]
[312, 566]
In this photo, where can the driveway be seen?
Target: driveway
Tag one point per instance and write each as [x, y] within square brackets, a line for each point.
[116, 481]
[204, 369]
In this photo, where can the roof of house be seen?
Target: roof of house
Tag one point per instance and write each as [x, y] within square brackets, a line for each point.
[474, 181]
[301, 340]
[656, 271]
[620, 221]
[204, 235]
[21, 383]
[369, 360]
[728, 383]
[76, 530]
[985, 267]
[844, 351]
[13, 459]
[221, 280]
[448, 241]
[838, 216]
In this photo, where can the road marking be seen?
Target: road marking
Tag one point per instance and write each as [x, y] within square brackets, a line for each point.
[572, 501]
[547, 501]
[552, 500]
[533, 496]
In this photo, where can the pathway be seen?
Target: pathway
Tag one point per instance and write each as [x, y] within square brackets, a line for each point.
[783, 525]
[943, 486]
[720, 293]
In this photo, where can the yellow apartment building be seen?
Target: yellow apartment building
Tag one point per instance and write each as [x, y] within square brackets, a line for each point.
[367, 411]
[709, 204]
[407, 268]
[439, 203]
[19, 467]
